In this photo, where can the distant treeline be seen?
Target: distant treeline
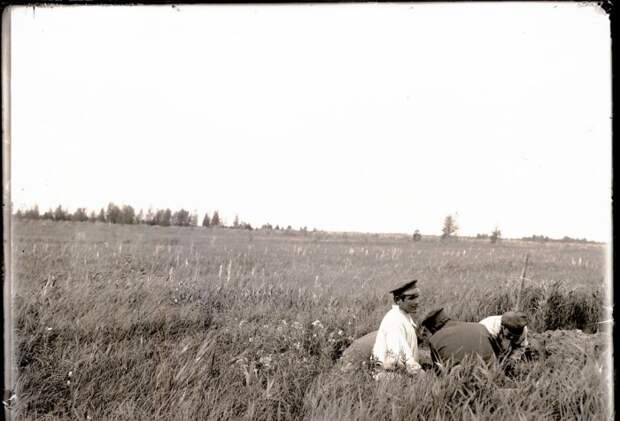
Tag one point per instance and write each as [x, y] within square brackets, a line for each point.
[565, 239]
[126, 214]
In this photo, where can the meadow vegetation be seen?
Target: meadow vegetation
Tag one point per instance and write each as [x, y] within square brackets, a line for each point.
[145, 322]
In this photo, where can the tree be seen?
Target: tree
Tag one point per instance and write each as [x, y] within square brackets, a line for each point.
[140, 217]
[149, 219]
[206, 222]
[32, 213]
[450, 227]
[113, 214]
[193, 219]
[92, 216]
[163, 217]
[417, 236]
[245, 226]
[101, 216]
[215, 220]
[157, 217]
[236, 222]
[541, 238]
[167, 218]
[49, 214]
[495, 235]
[180, 218]
[127, 215]
[79, 215]
[60, 214]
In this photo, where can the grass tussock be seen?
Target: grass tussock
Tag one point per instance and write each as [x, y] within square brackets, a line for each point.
[120, 322]
[472, 391]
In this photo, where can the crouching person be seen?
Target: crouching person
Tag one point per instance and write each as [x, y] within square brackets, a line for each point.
[510, 333]
[452, 341]
[396, 345]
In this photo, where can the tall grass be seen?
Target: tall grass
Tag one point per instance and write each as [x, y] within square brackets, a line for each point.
[126, 322]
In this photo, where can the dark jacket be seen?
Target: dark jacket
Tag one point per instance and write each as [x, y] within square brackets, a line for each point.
[456, 340]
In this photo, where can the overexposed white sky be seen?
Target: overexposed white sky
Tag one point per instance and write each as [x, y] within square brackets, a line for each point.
[346, 117]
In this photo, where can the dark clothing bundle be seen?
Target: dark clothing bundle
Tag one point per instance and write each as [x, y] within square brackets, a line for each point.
[456, 340]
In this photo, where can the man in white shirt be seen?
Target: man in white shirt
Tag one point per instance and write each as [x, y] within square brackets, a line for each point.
[510, 332]
[396, 345]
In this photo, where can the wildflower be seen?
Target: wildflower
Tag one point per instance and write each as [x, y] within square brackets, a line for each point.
[265, 361]
[318, 324]
[48, 329]
[70, 373]
[297, 325]
[240, 361]
[340, 332]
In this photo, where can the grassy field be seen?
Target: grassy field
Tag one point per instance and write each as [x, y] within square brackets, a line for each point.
[136, 323]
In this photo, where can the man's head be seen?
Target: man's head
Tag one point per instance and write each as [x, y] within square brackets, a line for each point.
[406, 296]
[435, 320]
[513, 323]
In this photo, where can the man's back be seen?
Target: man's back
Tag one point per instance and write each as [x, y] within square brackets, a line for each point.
[456, 340]
[359, 351]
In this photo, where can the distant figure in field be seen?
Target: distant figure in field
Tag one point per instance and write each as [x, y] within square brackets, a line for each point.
[510, 332]
[396, 343]
[452, 340]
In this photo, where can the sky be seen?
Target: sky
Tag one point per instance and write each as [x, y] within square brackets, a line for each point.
[344, 117]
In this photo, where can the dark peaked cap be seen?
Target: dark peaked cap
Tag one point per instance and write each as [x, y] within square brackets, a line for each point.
[514, 321]
[408, 287]
[435, 319]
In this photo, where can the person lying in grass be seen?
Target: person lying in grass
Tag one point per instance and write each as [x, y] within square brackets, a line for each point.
[452, 341]
[510, 332]
[396, 344]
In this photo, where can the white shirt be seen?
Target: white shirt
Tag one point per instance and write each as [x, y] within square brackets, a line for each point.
[494, 326]
[397, 344]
